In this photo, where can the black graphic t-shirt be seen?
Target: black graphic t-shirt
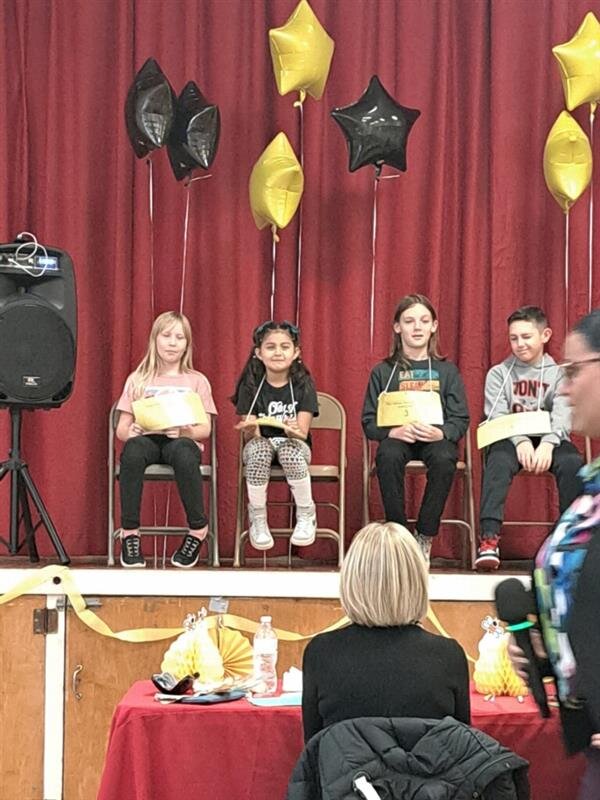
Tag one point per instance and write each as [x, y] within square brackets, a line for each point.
[277, 402]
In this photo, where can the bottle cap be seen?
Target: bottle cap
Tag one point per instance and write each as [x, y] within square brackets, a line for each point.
[265, 619]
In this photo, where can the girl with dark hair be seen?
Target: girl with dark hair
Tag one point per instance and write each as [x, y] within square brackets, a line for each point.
[415, 364]
[277, 400]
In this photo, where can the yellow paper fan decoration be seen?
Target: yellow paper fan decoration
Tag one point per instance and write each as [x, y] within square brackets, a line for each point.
[276, 184]
[301, 51]
[209, 661]
[236, 652]
[567, 161]
[212, 654]
[579, 62]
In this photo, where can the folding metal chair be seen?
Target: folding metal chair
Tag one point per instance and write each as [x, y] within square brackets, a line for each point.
[332, 416]
[464, 473]
[163, 472]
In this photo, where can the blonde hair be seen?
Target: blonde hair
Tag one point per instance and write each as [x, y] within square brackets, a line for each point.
[383, 581]
[149, 366]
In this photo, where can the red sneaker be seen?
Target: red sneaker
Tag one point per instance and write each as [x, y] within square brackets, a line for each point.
[488, 554]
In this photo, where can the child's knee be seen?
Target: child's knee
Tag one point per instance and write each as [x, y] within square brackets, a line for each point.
[134, 451]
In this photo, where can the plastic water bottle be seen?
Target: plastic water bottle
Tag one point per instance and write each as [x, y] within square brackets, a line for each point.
[265, 657]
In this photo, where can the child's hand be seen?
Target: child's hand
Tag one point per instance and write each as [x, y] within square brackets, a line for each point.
[134, 430]
[526, 455]
[427, 433]
[404, 433]
[542, 458]
[292, 429]
[595, 740]
[172, 433]
[249, 428]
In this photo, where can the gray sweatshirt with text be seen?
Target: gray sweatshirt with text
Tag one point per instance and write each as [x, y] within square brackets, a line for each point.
[513, 386]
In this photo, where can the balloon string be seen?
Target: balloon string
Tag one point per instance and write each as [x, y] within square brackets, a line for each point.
[566, 273]
[151, 215]
[373, 259]
[274, 259]
[185, 235]
[299, 262]
[185, 242]
[378, 177]
[591, 218]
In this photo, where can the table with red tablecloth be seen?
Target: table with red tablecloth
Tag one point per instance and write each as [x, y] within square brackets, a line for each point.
[236, 751]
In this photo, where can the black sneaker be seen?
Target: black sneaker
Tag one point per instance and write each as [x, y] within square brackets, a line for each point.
[131, 552]
[187, 554]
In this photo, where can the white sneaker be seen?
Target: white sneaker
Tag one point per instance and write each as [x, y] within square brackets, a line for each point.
[305, 530]
[260, 535]
[424, 543]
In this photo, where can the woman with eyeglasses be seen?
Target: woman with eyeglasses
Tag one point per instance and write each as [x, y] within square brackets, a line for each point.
[276, 398]
[567, 572]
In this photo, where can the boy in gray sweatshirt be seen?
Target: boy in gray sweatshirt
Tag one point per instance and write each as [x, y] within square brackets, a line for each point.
[529, 380]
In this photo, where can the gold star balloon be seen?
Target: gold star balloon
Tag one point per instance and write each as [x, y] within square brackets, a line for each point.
[301, 51]
[567, 161]
[276, 184]
[579, 62]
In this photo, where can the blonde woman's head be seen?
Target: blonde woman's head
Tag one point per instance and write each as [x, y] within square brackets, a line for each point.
[383, 581]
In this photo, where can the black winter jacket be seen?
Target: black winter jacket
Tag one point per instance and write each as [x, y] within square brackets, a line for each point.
[408, 758]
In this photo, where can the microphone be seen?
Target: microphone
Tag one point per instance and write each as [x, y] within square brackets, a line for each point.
[513, 604]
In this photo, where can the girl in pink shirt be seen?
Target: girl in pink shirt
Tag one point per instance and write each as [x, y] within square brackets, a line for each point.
[166, 369]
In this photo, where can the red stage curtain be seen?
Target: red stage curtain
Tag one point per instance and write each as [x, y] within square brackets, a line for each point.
[470, 223]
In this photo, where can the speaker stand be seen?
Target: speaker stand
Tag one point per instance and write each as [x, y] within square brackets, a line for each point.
[22, 488]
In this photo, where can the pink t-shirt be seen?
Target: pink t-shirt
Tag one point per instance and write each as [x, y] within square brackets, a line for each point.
[184, 382]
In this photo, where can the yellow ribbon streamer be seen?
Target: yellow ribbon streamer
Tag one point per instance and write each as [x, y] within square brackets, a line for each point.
[63, 576]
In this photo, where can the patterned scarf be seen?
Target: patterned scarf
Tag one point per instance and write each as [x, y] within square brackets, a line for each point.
[558, 565]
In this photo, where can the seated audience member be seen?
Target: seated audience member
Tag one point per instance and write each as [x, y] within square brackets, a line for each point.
[384, 664]
[528, 380]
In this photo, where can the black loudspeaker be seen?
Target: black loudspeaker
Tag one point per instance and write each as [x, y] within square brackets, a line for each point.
[38, 325]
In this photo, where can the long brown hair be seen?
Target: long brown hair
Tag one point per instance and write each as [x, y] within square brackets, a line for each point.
[397, 354]
[149, 366]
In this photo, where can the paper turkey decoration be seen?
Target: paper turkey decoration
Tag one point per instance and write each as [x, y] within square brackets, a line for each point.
[494, 674]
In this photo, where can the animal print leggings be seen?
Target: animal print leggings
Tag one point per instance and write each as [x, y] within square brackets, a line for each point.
[293, 456]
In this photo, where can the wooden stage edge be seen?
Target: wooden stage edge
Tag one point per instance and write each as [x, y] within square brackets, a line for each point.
[227, 582]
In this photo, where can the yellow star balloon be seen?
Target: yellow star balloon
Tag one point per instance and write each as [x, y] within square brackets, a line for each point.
[579, 61]
[301, 51]
[276, 184]
[567, 161]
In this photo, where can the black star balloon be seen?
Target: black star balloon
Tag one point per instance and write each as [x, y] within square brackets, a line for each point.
[195, 135]
[149, 109]
[376, 128]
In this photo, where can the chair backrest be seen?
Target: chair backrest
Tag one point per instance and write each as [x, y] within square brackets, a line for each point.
[332, 415]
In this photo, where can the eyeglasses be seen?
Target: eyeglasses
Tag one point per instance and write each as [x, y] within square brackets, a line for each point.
[259, 332]
[573, 368]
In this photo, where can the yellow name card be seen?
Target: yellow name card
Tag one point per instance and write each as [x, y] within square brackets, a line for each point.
[402, 408]
[525, 423]
[170, 410]
[267, 422]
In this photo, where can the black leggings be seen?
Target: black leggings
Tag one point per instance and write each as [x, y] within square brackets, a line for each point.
[182, 454]
[439, 457]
